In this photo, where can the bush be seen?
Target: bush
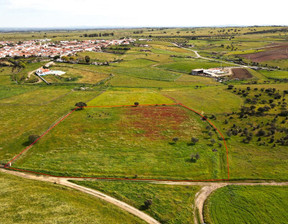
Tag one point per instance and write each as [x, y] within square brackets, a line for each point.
[194, 140]
[261, 132]
[80, 105]
[148, 203]
[33, 138]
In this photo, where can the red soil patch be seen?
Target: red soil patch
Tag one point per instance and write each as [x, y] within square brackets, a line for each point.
[272, 53]
[152, 121]
[240, 73]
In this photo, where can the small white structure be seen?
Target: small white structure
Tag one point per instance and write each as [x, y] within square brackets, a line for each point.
[42, 72]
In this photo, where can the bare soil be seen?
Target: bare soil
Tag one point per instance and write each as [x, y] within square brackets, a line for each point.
[241, 73]
[272, 53]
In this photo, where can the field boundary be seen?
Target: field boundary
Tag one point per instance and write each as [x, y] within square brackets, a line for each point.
[9, 164]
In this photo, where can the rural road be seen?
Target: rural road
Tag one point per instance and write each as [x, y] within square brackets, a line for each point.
[33, 72]
[221, 61]
[200, 197]
[98, 194]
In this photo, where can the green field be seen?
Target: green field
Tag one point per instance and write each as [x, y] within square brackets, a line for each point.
[275, 74]
[151, 73]
[22, 119]
[170, 204]
[27, 201]
[129, 97]
[186, 66]
[247, 204]
[124, 142]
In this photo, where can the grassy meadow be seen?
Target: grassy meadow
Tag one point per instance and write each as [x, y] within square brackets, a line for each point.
[28, 201]
[247, 204]
[129, 142]
[170, 204]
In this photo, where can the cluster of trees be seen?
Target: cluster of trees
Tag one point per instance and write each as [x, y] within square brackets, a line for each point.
[263, 131]
[260, 97]
[99, 35]
[138, 32]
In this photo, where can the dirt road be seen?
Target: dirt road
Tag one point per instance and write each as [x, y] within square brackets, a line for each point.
[98, 194]
[200, 197]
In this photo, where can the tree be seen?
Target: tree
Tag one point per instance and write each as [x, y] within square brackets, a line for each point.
[194, 158]
[194, 140]
[87, 59]
[230, 86]
[80, 105]
[261, 132]
[175, 140]
[148, 203]
[136, 104]
[33, 138]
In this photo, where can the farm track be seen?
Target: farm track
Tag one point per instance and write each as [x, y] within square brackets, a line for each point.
[221, 61]
[98, 194]
[200, 197]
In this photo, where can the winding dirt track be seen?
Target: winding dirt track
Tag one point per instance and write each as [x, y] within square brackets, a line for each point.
[98, 194]
[200, 197]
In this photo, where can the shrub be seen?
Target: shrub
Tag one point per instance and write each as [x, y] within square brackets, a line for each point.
[33, 138]
[194, 140]
[80, 105]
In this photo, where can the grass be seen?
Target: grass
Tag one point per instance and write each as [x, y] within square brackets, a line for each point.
[128, 97]
[275, 74]
[99, 56]
[38, 96]
[20, 120]
[210, 100]
[186, 66]
[146, 73]
[7, 91]
[170, 204]
[76, 74]
[124, 142]
[247, 204]
[181, 81]
[139, 62]
[27, 201]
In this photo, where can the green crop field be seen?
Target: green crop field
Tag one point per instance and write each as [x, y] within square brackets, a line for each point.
[170, 204]
[186, 66]
[129, 97]
[27, 201]
[275, 74]
[247, 204]
[124, 142]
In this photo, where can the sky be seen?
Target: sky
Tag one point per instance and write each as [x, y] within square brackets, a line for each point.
[144, 13]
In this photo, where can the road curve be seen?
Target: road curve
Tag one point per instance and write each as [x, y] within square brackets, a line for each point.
[205, 191]
[98, 194]
[200, 197]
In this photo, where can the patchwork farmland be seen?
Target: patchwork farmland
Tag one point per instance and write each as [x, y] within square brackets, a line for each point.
[133, 126]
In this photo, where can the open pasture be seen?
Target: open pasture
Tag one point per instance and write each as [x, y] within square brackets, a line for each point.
[129, 142]
[170, 204]
[247, 204]
[29, 201]
[76, 74]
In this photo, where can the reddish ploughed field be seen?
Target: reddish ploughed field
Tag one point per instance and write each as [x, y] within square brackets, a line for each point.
[241, 73]
[272, 53]
[152, 121]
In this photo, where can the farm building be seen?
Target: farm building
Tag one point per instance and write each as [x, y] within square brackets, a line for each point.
[212, 72]
[197, 72]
